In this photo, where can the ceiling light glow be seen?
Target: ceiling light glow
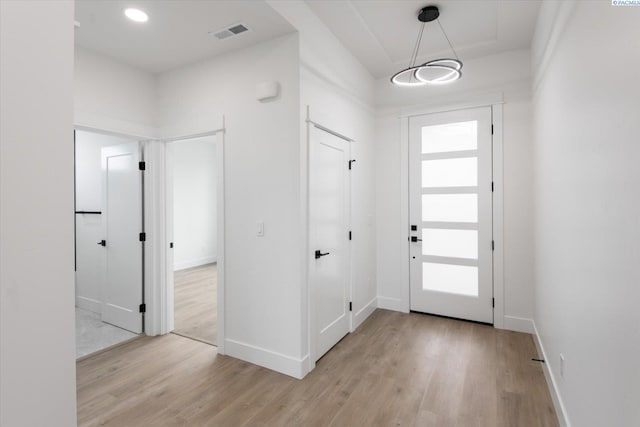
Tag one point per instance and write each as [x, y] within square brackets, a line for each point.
[136, 15]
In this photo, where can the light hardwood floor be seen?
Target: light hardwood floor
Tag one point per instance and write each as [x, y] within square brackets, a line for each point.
[395, 370]
[196, 302]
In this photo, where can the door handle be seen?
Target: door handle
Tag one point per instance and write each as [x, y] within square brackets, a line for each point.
[319, 254]
[102, 243]
[415, 239]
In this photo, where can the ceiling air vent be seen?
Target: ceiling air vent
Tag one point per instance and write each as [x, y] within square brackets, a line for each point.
[233, 30]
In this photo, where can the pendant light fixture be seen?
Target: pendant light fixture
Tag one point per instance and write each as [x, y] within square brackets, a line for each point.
[436, 72]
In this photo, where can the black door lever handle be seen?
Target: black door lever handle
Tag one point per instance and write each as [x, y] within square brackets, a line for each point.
[319, 254]
[415, 239]
[102, 243]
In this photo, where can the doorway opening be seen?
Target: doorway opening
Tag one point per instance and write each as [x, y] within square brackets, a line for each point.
[108, 245]
[193, 205]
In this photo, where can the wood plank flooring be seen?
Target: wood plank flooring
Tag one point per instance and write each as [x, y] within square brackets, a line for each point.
[395, 370]
[196, 302]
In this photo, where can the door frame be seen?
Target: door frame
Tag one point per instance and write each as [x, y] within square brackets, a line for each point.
[157, 290]
[163, 226]
[311, 334]
[497, 202]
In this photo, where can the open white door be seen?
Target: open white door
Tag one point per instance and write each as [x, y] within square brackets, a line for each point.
[122, 222]
[450, 197]
[329, 201]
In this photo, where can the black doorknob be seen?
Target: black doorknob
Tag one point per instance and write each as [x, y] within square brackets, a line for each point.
[319, 254]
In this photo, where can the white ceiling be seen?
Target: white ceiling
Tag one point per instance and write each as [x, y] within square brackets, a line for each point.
[177, 31]
[382, 33]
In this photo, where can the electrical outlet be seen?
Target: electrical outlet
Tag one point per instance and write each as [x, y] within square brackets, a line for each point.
[562, 365]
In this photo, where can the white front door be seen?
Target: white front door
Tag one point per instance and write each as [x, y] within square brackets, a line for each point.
[122, 222]
[450, 196]
[329, 202]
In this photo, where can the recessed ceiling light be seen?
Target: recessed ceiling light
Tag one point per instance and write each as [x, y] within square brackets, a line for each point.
[136, 15]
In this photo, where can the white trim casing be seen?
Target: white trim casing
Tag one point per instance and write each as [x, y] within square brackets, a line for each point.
[561, 412]
[404, 304]
[518, 324]
[158, 320]
[393, 304]
[307, 318]
[296, 368]
[221, 320]
[498, 215]
[362, 314]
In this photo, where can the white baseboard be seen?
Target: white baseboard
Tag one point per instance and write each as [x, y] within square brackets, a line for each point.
[296, 368]
[518, 324]
[89, 304]
[194, 263]
[395, 304]
[563, 419]
[362, 314]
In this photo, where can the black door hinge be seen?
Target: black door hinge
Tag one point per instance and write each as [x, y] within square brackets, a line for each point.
[349, 235]
[350, 162]
[142, 165]
[493, 245]
[171, 245]
[143, 237]
[350, 306]
[491, 129]
[143, 308]
[492, 186]
[493, 302]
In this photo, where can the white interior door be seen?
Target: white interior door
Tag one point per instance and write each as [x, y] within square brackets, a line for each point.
[450, 196]
[122, 210]
[329, 201]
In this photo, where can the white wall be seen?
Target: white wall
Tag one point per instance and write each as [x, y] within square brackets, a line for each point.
[88, 168]
[37, 354]
[261, 158]
[351, 117]
[194, 202]
[502, 78]
[587, 209]
[113, 96]
[339, 98]
[90, 257]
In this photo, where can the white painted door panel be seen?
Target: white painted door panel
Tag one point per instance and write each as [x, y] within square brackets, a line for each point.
[450, 197]
[89, 262]
[328, 214]
[122, 210]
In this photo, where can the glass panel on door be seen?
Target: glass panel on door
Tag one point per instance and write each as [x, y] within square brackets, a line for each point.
[450, 137]
[450, 207]
[457, 172]
[455, 279]
[450, 243]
